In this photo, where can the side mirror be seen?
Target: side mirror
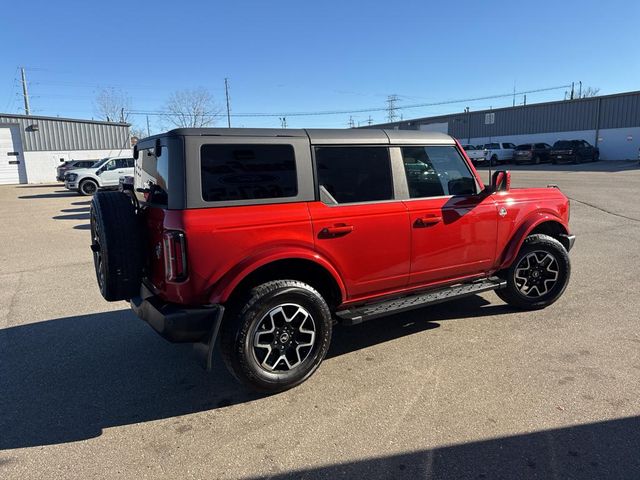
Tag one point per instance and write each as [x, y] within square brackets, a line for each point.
[501, 181]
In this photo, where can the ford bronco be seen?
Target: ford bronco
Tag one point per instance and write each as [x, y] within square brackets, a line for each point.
[264, 239]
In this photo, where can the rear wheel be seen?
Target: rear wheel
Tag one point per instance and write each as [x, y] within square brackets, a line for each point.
[277, 336]
[88, 187]
[493, 161]
[536, 160]
[539, 274]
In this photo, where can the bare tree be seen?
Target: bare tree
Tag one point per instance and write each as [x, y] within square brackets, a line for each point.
[192, 108]
[112, 105]
[590, 92]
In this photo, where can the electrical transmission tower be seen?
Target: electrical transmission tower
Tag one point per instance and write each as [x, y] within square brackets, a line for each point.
[352, 124]
[392, 106]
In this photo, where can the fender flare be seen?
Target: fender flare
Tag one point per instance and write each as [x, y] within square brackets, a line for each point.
[224, 287]
[523, 231]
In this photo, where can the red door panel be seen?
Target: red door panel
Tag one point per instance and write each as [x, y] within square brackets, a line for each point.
[369, 244]
[451, 237]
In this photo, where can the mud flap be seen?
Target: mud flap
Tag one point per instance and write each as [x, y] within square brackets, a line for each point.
[204, 350]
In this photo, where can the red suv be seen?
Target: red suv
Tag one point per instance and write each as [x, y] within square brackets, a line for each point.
[269, 237]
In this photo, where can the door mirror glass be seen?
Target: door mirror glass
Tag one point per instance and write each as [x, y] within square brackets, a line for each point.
[501, 181]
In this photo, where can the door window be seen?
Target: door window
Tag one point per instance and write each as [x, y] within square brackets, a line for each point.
[355, 174]
[435, 171]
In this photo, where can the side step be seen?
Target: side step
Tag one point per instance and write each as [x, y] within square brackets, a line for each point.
[357, 315]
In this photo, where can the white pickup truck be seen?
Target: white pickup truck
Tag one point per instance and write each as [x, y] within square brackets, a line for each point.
[499, 153]
[476, 155]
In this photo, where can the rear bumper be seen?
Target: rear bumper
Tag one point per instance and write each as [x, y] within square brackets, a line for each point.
[568, 241]
[176, 323]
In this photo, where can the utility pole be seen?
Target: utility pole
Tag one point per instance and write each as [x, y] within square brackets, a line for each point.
[525, 99]
[352, 124]
[514, 93]
[392, 107]
[148, 128]
[580, 89]
[572, 90]
[226, 92]
[25, 92]
[370, 120]
[283, 122]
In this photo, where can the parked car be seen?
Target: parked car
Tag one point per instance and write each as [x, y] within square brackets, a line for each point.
[475, 155]
[574, 151]
[268, 237]
[532, 153]
[71, 165]
[105, 174]
[499, 152]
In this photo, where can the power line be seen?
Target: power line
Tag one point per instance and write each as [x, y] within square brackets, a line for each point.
[363, 110]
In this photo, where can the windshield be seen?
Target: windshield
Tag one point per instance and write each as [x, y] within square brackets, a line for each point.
[100, 162]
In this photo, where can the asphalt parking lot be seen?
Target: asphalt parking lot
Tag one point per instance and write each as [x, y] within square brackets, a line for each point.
[471, 389]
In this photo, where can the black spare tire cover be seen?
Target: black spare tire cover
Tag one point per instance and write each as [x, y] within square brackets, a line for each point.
[116, 242]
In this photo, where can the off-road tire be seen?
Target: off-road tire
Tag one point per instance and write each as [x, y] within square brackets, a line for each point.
[87, 187]
[116, 242]
[239, 329]
[512, 295]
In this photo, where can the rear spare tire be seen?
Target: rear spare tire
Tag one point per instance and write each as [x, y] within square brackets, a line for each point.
[116, 242]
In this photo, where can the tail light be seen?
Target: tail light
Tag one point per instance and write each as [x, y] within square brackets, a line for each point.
[175, 256]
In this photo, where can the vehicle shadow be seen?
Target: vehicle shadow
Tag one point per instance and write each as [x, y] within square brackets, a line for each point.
[42, 185]
[74, 210]
[601, 450]
[56, 194]
[73, 216]
[67, 379]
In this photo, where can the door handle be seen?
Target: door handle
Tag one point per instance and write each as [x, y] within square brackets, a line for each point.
[427, 220]
[335, 231]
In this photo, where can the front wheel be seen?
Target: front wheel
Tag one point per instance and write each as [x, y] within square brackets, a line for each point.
[88, 187]
[277, 336]
[539, 274]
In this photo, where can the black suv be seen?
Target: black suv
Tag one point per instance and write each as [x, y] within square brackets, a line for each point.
[574, 151]
[532, 152]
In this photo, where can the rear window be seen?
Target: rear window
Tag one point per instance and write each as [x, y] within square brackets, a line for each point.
[247, 172]
[524, 147]
[355, 174]
[492, 146]
[151, 176]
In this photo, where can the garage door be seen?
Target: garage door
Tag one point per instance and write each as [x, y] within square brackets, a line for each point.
[11, 157]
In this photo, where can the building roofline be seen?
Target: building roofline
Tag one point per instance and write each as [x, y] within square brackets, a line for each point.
[63, 119]
[454, 114]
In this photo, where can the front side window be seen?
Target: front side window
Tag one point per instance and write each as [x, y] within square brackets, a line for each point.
[355, 174]
[247, 172]
[435, 171]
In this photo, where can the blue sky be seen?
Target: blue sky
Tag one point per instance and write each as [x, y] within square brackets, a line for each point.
[313, 56]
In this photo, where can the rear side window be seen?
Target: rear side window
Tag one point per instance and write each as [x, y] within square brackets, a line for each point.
[247, 172]
[525, 147]
[355, 174]
[541, 145]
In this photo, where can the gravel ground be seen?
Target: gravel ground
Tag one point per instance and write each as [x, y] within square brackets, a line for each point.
[471, 389]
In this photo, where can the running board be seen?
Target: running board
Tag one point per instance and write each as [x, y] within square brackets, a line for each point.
[357, 315]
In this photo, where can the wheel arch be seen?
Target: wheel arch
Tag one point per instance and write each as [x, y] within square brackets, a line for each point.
[313, 270]
[542, 223]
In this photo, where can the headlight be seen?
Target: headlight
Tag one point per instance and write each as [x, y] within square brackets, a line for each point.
[71, 177]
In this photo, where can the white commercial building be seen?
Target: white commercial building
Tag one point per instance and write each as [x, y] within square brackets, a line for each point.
[32, 147]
